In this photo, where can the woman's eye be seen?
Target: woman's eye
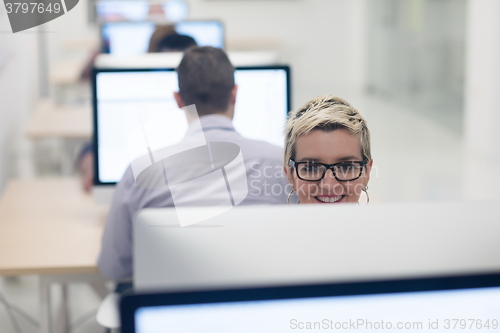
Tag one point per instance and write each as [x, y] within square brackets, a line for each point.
[310, 167]
[348, 167]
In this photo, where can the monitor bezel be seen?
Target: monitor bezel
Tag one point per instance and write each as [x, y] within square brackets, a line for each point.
[96, 71]
[130, 303]
[156, 23]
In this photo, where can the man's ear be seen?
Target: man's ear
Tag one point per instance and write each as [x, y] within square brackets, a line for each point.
[178, 99]
[234, 92]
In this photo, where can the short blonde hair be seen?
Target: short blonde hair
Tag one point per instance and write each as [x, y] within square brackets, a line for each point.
[325, 113]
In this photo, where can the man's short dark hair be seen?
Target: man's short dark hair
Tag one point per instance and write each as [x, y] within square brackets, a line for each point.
[206, 79]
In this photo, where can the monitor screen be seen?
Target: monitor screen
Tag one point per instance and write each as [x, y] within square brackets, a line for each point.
[175, 10]
[125, 99]
[469, 310]
[205, 33]
[140, 10]
[126, 38]
[132, 38]
[121, 10]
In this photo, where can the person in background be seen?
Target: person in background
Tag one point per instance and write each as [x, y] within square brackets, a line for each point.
[164, 39]
[85, 163]
[161, 31]
[175, 43]
[206, 79]
[327, 156]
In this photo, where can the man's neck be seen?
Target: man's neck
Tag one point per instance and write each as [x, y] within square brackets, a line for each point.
[227, 114]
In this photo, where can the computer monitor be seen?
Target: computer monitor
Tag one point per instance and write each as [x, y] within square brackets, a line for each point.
[126, 38]
[125, 98]
[112, 10]
[140, 10]
[175, 10]
[132, 38]
[277, 245]
[437, 304]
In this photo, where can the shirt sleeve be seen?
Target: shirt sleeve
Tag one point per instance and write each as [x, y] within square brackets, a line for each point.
[115, 259]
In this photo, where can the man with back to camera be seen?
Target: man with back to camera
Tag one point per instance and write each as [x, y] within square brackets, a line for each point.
[164, 39]
[206, 79]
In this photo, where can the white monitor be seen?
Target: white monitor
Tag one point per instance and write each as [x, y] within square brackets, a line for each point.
[132, 38]
[125, 98]
[293, 244]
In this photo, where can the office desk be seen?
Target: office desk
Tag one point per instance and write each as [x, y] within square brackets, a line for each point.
[67, 72]
[50, 228]
[50, 120]
[172, 59]
[71, 124]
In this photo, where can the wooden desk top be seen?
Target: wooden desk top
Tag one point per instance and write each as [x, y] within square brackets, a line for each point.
[49, 226]
[54, 121]
[68, 71]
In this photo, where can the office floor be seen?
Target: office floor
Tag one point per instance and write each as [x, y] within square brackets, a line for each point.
[415, 159]
[22, 293]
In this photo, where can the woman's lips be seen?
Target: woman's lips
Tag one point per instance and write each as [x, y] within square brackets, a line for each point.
[330, 198]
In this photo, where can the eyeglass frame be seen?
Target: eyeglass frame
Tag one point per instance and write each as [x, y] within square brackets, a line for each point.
[294, 164]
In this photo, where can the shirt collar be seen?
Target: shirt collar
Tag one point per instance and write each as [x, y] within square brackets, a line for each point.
[212, 121]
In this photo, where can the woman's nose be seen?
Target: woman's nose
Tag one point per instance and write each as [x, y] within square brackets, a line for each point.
[329, 182]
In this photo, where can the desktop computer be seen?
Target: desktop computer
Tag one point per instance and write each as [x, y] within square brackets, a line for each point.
[125, 98]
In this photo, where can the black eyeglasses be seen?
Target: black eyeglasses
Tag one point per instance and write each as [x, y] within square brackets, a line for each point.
[314, 171]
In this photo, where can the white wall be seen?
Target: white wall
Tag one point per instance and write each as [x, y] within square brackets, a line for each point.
[18, 93]
[482, 79]
[70, 34]
[321, 39]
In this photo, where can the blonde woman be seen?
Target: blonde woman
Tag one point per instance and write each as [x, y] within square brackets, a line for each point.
[327, 152]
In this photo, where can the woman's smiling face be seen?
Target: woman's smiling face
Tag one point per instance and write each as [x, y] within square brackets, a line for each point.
[329, 147]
